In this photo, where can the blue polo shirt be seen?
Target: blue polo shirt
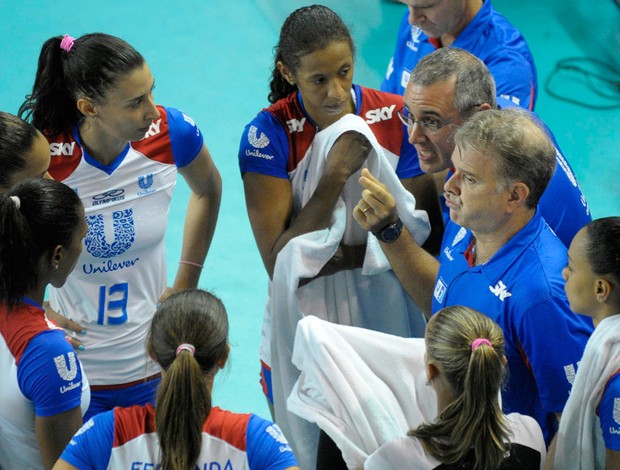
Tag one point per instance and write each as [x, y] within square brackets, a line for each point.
[490, 37]
[522, 289]
[563, 205]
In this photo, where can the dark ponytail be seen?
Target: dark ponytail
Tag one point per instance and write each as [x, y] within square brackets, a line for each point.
[197, 320]
[17, 138]
[306, 30]
[35, 216]
[90, 68]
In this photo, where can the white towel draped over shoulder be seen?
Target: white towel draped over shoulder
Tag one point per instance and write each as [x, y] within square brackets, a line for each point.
[371, 297]
[580, 439]
[362, 387]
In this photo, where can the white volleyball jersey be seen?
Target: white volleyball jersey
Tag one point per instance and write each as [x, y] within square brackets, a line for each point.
[121, 272]
[41, 376]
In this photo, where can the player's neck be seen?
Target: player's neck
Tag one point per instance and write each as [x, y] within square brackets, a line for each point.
[99, 145]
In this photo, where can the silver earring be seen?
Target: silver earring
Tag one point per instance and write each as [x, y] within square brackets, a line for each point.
[56, 267]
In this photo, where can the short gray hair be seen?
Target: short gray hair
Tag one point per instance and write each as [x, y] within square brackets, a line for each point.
[474, 82]
[521, 149]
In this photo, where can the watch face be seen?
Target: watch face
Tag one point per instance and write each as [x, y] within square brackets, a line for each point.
[391, 232]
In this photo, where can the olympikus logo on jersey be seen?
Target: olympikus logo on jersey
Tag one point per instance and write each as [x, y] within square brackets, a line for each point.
[295, 125]
[256, 141]
[108, 196]
[154, 129]
[66, 371]
[382, 114]
[500, 290]
[61, 148]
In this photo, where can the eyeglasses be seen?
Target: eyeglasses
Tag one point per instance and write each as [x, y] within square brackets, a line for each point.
[430, 124]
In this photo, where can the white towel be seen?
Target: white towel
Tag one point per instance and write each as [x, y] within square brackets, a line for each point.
[371, 297]
[362, 387]
[580, 441]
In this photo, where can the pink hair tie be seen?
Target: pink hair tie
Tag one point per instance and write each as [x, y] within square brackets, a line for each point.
[186, 347]
[67, 43]
[480, 341]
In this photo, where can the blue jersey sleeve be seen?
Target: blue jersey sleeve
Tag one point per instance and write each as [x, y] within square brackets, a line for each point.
[392, 82]
[267, 448]
[553, 357]
[91, 447]
[264, 147]
[185, 138]
[609, 414]
[50, 375]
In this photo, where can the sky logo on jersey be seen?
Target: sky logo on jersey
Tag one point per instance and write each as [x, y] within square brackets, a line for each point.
[124, 234]
[440, 290]
[381, 114]
[154, 129]
[296, 125]
[145, 182]
[500, 290]
[258, 142]
[109, 196]
[66, 371]
[61, 148]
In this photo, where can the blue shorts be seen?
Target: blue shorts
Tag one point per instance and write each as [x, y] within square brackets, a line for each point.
[265, 381]
[105, 398]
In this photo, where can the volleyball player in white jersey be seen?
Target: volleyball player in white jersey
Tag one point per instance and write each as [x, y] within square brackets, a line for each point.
[93, 100]
[43, 392]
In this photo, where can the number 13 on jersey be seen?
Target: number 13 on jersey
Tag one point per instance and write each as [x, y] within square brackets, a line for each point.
[113, 304]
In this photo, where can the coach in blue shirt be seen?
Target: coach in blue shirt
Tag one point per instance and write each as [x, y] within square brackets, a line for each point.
[498, 256]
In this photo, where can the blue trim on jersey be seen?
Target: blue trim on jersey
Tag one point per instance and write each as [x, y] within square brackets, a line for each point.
[489, 36]
[186, 139]
[609, 413]
[47, 356]
[34, 303]
[109, 169]
[267, 447]
[91, 447]
[522, 289]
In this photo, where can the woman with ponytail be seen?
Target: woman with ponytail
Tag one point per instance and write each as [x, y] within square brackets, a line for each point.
[43, 391]
[465, 367]
[93, 100]
[188, 338]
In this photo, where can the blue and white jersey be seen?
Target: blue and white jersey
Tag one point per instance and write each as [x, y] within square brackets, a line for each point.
[490, 37]
[522, 289]
[609, 413]
[279, 137]
[127, 438]
[41, 376]
[121, 272]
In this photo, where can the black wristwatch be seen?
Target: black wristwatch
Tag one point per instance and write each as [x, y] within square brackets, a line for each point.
[390, 232]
